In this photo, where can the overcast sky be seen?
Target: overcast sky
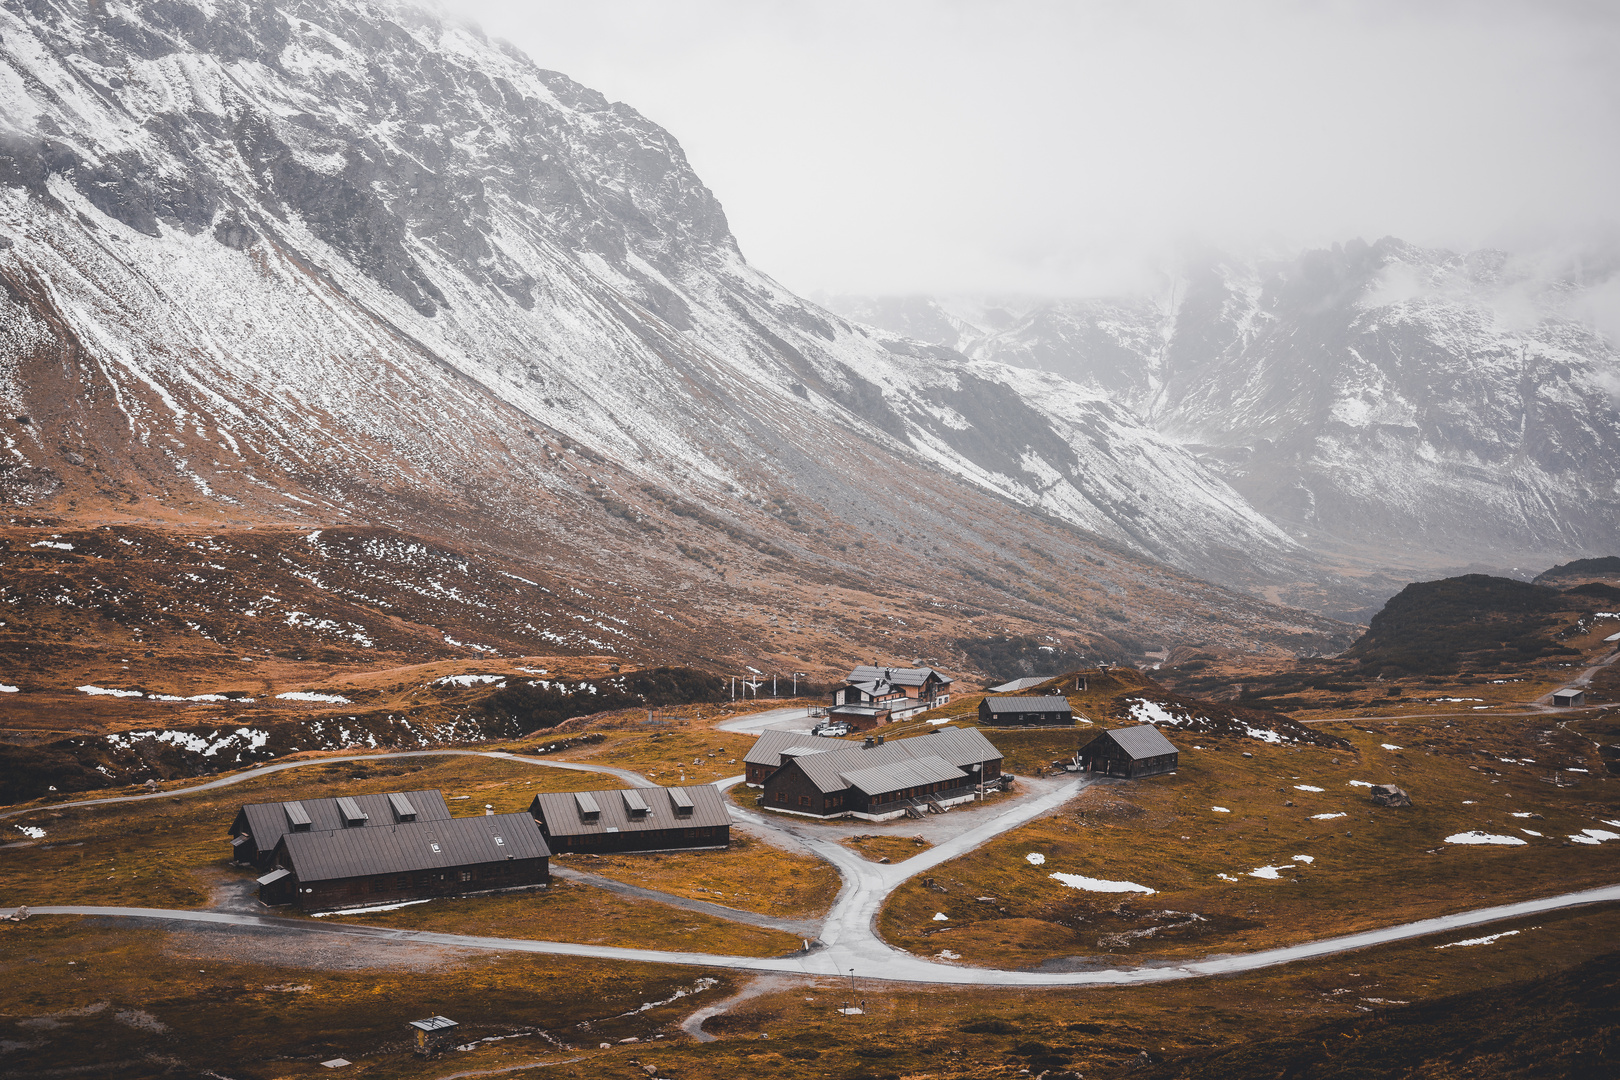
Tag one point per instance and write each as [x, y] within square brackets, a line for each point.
[906, 146]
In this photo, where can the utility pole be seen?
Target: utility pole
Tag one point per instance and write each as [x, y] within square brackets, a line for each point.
[773, 686]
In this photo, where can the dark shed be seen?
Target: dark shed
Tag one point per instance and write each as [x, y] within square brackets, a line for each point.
[1021, 710]
[1569, 695]
[633, 819]
[1129, 752]
[322, 871]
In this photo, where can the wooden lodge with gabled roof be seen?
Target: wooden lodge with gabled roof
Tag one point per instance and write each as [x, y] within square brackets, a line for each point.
[350, 867]
[259, 827]
[1026, 710]
[872, 696]
[1130, 752]
[633, 819]
[774, 747]
[879, 781]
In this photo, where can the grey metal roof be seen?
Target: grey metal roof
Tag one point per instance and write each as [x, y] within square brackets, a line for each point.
[1020, 684]
[434, 1023]
[413, 845]
[268, 822]
[767, 749]
[665, 810]
[960, 747]
[881, 779]
[1144, 741]
[900, 676]
[1027, 703]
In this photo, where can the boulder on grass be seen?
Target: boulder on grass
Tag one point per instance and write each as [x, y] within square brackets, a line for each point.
[1390, 795]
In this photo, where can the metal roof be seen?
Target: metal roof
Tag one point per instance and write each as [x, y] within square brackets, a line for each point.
[960, 747]
[899, 676]
[403, 810]
[767, 749]
[881, 779]
[268, 822]
[413, 845]
[352, 814]
[1144, 741]
[1027, 703]
[1020, 684]
[667, 808]
[297, 816]
[434, 1023]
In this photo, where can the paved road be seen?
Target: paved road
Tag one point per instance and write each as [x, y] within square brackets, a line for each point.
[634, 779]
[893, 965]
[795, 719]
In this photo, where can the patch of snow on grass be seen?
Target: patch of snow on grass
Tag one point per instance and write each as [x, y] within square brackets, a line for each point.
[1304, 858]
[1479, 940]
[368, 910]
[1530, 832]
[1267, 872]
[1574, 770]
[940, 916]
[1586, 840]
[1391, 746]
[1477, 836]
[1076, 881]
[1600, 835]
[102, 691]
[1527, 814]
[468, 680]
[305, 695]
[946, 954]
[33, 832]
[1328, 817]
[1306, 787]
[1035, 858]
[1265, 735]
[1360, 783]
[7, 688]
[1220, 810]
[1151, 712]
[52, 544]
[1226, 877]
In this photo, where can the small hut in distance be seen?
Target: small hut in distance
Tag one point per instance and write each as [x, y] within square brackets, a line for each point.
[1130, 753]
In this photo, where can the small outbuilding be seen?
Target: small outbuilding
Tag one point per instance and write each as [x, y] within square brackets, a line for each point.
[1129, 752]
[1024, 710]
[433, 1034]
[633, 819]
[418, 860]
[1569, 695]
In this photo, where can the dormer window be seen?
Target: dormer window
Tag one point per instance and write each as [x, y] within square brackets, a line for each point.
[588, 810]
[297, 816]
[635, 805]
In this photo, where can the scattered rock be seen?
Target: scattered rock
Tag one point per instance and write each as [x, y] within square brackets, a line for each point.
[1389, 795]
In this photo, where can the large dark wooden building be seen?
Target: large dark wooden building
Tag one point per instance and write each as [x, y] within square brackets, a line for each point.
[1129, 752]
[633, 819]
[259, 827]
[773, 748]
[878, 781]
[1022, 710]
[419, 860]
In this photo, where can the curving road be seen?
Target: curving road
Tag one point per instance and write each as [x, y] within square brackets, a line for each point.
[848, 940]
[881, 963]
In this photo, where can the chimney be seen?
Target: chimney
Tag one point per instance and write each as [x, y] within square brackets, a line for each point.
[880, 740]
[869, 742]
[489, 810]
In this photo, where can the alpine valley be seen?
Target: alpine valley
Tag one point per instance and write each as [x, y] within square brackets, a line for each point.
[443, 354]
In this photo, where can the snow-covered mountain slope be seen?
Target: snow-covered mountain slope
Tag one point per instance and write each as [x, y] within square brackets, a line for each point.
[337, 258]
[337, 261]
[1412, 405]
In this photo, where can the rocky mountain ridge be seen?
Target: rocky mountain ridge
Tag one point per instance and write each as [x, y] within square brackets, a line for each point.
[1417, 408]
[343, 264]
